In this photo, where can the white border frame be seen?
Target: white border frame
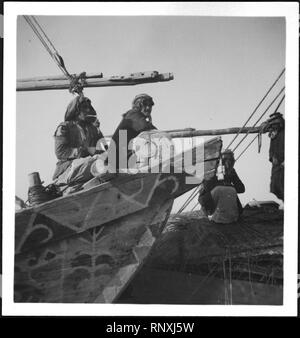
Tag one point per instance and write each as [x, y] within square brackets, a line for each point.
[289, 10]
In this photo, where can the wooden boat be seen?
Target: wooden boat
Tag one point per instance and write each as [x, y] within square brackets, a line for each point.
[196, 261]
[85, 247]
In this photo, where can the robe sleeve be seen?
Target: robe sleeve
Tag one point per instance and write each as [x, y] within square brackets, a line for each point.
[63, 150]
[236, 182]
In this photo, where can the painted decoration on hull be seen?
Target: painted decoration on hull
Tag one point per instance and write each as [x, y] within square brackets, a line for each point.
[92, 266]
[87, 246]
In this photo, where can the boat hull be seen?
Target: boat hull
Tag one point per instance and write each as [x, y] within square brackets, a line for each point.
[85, 247]
[92, 266]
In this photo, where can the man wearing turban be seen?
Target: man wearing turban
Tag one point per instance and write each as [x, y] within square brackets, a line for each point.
[134, 121]
[274, 126]
[75, 142]
[218, 196]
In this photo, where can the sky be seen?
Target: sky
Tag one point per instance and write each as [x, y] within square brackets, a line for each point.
[222, 68]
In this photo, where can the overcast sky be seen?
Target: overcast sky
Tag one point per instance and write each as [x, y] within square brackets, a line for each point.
[222, 67]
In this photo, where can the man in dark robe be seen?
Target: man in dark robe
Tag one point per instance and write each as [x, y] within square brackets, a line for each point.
[134, 121]
[218, 196]
[275, 128]
[75, 143]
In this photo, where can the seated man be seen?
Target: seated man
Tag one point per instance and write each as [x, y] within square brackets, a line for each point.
[101, 144]
[75, 143]
[218, 196]
[134, 121]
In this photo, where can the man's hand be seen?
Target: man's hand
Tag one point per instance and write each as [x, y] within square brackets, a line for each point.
[275, 161]
[91, 150]
[83, 152]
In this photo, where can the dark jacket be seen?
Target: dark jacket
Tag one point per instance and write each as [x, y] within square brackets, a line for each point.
[134, 122]
[72, 141]
[232, 179]
[276, 150]
[276, 156]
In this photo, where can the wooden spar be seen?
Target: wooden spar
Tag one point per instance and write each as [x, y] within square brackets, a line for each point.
[209, 132]
[191, 132]
[168, 131]
[123, 80]
[60, 77]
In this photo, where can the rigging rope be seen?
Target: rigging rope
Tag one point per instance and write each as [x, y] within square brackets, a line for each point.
[35, 20]
[54, 55]
[76, 82]
[279, 104]
[196, 190]
[258, 134]
[189, 199]
[282, 89]
[37, 33]
[261, 101]
[193, 208]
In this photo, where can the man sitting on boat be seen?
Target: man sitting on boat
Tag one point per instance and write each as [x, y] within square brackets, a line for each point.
[134, 121]
[218, 196]
[75, 143]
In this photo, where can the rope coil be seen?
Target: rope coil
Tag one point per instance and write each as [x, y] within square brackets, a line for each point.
[39, 194]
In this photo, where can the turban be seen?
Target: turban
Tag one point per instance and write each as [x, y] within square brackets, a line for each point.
[142, 98]
[276, 118]
[73, 108]
[228, 154]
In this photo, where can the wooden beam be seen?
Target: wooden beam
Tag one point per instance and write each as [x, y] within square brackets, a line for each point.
[47, 83]
[60, 77]
[191, 132]
[210, 132]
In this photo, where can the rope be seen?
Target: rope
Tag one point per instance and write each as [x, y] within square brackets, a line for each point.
[247, 147]
[39, 194]
[189, 200]
[279, 104]
[186, 203]
[33, 23]
[276, 97]
[194, 193]
[35, 20]
[194, 206]
[54, 54]
[261, 101]
[258, 134]
[37, 34]
[76, 82]
[230, 275]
